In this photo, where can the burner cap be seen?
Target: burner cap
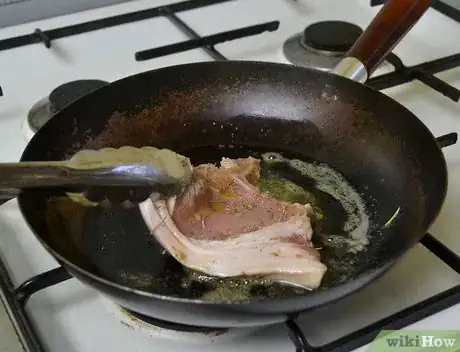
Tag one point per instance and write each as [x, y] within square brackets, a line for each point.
[65, 94]
[59, 98]
[332, 36]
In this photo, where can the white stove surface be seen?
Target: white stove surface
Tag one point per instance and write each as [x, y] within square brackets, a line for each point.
[72, 317]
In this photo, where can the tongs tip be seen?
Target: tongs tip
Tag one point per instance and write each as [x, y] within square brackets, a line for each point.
[155, 174]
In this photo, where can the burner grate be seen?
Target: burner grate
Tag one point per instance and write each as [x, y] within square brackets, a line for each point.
[403, 74]
[47, 36]
[421, 72]
[187, 30]
[395, 321]
[206, 42]
[169, 11]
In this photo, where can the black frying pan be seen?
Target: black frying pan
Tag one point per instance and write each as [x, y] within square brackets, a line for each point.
[381, 148]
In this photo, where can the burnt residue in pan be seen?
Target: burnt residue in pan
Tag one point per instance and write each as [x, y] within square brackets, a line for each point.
[118, 245]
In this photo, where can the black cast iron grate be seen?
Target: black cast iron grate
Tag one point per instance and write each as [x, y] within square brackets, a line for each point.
[424, 72]
[15, 299]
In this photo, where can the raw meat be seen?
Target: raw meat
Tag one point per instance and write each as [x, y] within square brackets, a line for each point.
[224, 225]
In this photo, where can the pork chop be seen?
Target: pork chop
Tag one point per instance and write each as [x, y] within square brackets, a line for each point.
[224, 225]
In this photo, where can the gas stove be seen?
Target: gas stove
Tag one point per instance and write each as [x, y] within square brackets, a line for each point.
[47, 64]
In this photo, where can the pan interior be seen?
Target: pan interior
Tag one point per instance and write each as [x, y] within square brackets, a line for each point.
[379, 147]
[119, 247]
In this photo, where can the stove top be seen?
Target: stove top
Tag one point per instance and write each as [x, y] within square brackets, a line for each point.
[53, 312]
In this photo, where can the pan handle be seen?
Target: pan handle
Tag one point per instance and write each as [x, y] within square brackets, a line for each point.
[389, 26]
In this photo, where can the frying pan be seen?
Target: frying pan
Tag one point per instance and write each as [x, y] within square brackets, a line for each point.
[382, 149]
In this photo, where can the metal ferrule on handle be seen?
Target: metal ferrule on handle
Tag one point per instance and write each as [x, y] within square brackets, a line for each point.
[352, 68]
[386, 30]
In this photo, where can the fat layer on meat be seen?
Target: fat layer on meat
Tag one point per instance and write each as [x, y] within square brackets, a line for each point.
[224, 225]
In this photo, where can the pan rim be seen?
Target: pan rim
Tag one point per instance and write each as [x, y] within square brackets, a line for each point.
[22, 199]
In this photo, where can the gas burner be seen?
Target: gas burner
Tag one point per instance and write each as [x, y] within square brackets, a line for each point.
[173, 331]
[59, 98]
[321, 45]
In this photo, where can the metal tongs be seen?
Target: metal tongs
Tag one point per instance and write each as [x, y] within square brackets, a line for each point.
[124, 176]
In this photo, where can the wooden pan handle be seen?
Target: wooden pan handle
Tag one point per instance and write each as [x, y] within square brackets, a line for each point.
[391, 24]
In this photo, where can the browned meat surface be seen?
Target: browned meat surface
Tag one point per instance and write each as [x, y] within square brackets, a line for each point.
[224, 225]
[225, 202]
